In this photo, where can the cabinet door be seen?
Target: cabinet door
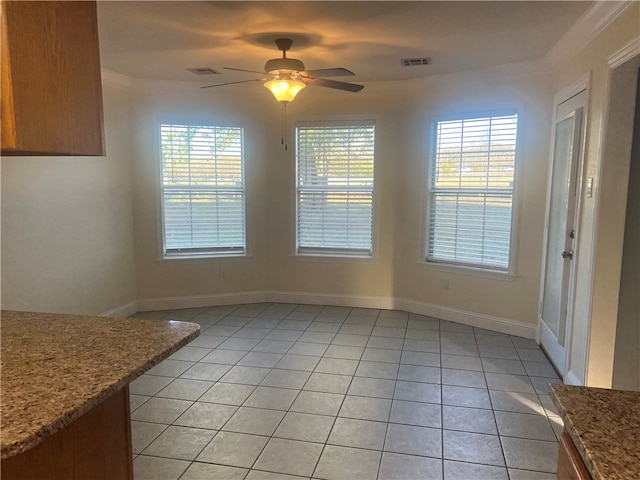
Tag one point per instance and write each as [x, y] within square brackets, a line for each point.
[51, 63]
[6, 93]
[570, 463]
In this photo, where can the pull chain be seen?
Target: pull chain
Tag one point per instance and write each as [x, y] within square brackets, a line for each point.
[284, 125]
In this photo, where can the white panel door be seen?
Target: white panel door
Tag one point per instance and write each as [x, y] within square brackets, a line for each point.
[557, 268]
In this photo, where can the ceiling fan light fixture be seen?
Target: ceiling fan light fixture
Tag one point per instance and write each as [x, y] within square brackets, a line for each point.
[284, 89]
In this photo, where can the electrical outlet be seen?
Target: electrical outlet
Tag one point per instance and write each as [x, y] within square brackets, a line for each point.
[444, 284]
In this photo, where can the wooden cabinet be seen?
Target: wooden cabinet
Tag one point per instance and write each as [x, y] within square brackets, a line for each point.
[51, 84]
[570, 464]
[96, 446]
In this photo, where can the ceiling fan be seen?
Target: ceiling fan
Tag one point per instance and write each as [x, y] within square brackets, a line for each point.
[287, 76]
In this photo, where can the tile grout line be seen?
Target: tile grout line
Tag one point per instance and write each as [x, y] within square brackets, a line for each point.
[270, 437]
[441, 401]
[231, 416]
[493, 414]
[344, 398]
[386, 430]
[360, 360]
[301, 390]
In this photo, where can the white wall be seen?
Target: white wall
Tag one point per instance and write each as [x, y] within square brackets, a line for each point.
[67, 225]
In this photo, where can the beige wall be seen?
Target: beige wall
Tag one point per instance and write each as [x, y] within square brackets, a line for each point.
[67, 225]
[396, 273]
[177, 279]
[69, 242]
[511, 299]
[269, 172]
[626, 368]
[323, 276]
[601, 231]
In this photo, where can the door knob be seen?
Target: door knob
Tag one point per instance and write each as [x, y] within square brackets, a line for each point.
[568, 254]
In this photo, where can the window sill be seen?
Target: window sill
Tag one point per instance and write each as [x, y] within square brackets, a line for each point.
[316, 258]
[470, 271]
[204, 259]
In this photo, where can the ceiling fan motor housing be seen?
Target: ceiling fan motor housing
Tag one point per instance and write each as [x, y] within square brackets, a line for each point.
[283, 65]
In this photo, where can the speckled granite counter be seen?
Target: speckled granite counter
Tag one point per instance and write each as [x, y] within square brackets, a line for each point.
[605, 428]
[55, 367]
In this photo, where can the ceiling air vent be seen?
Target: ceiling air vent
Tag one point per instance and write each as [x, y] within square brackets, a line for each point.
[414, 62]
[203, 71]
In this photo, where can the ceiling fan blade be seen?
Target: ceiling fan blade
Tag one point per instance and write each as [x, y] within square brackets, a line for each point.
[328, 72]
[233, 83]
[323, 82]
[243, 70]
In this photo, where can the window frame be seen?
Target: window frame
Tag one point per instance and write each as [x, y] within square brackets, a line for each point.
[215, 254]
[446, 266]
[335, 255]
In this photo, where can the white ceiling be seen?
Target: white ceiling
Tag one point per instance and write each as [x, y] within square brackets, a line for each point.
[159, 40]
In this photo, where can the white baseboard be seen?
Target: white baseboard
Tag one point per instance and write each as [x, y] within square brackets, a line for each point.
[125, 310]
[172, 303]
[497, 324]
[571, 379]
[338, 300]
[479, 320]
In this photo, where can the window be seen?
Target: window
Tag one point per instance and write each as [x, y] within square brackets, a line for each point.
[470, 192]
[335, 188]
[202, 190]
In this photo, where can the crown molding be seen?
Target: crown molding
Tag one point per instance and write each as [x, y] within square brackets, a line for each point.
[584, 31]
[495, 73]
[387, 88]
[626, 53]
[148, 84]
[115, 79]
[581, 33]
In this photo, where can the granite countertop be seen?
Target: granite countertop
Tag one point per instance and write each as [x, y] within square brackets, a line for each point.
[57, 367]
[605, 428]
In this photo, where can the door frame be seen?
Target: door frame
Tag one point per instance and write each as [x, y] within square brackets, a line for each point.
[561, 97]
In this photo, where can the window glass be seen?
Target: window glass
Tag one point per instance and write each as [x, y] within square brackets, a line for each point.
[335, 189]
[202, 190]
[470, 196]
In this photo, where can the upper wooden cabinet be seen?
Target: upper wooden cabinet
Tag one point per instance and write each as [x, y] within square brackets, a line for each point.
[51, 85]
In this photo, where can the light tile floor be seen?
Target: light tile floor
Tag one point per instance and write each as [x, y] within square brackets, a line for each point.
[282, 391]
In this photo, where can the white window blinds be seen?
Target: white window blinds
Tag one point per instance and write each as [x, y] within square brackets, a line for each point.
[471, 191]
[202, 190]
[335, 188]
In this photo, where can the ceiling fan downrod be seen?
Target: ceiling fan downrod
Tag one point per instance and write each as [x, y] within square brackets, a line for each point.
[284, 44]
